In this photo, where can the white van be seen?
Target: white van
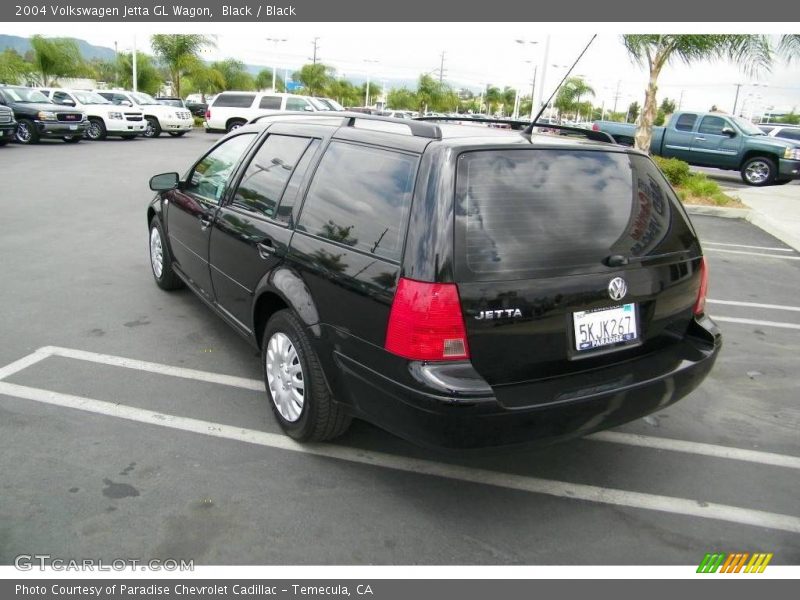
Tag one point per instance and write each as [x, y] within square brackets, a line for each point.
[158, 117]
[231, 110]
[104, 117]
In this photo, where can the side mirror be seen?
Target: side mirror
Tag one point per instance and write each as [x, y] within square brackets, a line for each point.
[308, 109]
[164, 182]
[729, 131]
[125, 103]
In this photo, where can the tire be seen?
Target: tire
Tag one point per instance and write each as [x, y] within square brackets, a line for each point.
[3, 142]
[153, 129]
[286, 347]
[759, 171]
[177, 133]
[26, 132]
[235, 124]
[128, 137]
[96, 130]
[167, 279]
[783, 181]
[73, 140]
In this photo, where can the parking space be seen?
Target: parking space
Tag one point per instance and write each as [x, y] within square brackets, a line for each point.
[132, 421]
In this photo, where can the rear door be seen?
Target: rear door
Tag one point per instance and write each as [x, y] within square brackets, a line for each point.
[679, 137]
[569, 259]
[192, 207]
[252, 231]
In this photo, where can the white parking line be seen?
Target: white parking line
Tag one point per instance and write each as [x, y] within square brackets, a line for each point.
[757, 322]
[24, 362]
[706, 243]
[754, 305]
[753, 253]
[559, 489]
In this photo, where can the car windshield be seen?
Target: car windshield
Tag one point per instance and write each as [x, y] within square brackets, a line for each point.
[143, 99]
[20, 94]
[747, 127]
[90, 98]
[320, 104]
[171, 102]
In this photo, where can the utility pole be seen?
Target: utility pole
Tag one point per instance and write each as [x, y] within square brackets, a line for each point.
[736, 99]
[540, 97]
[441, 68]
[314, 59]
[616, 96]
[135, 75]
[680, 101]
[275, 41]
[533, 89]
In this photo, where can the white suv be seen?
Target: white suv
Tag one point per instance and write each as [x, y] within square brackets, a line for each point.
[231, 110]
[104, 117]
[158, 117]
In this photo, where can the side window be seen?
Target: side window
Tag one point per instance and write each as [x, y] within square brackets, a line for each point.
[268, 173]
[712, 125]
[360, 198]
[286, 208]
[296, 104]
[685, 122]
[235, 100]
[59, 97]
[270, 102]
[107, 96]
[210, 176]
[789, 134]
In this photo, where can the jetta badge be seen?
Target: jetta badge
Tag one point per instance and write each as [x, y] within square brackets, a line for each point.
[617, 288]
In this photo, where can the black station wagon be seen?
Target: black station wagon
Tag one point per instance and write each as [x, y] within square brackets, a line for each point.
[456, 285]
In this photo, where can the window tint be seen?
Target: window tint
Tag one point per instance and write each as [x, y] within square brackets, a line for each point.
[286, 209]
[210, 175]
[685, 122]
[296, 104]
[268, 173]
[360, 198]
[790, 134]
[59, 97]
[270, 102]
[235, 100]
[712, 125]
[523, 212]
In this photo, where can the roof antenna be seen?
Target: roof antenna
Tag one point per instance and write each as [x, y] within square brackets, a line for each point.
[529, 128]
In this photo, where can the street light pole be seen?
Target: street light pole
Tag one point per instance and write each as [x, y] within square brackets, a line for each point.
[366, 95]
[275, 42]
[533, 86]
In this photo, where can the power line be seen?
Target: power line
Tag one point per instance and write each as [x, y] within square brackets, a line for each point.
[316, 45]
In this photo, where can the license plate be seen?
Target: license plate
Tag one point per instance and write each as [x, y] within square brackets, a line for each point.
[73, 127]
[605, 326]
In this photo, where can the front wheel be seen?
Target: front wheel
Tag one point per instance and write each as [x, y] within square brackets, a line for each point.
[759, 171]
[27, 132]
[72, 140]
[153, 129]
[295, 384]
[160, 259]
[96, 130]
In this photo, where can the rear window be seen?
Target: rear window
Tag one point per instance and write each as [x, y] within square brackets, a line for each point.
[270, 102]
[522, 213]
[685, 122]
[234, 100]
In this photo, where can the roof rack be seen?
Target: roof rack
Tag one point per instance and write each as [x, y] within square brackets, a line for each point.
[348, 119]
[527, 126]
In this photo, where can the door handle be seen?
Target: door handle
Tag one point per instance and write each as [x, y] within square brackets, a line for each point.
[266, 249]
[205, 221]
[699, 139]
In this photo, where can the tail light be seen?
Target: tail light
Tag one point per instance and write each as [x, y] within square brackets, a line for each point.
[208, 114]
[595, 127]
[426, 323]
[700, 305]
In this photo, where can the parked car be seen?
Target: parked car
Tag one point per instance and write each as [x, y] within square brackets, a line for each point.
[104, 117]
[720, 141]
[454, 285]
[158, 117]
[198, 109]
[231, 110]
[786, 132]
[39, 118]
[8, 125]
[171, 101]
[327, 104]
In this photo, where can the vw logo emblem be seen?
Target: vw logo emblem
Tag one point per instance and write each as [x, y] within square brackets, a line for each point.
[617, 288]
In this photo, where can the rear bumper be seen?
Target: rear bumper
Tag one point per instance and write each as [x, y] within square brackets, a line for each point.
[446, 421]
[788, 169]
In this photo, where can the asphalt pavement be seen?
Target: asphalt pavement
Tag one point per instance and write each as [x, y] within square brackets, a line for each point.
[133, 423]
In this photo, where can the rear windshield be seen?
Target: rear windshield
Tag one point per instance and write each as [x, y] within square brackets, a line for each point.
[522, 213]
[234, 100]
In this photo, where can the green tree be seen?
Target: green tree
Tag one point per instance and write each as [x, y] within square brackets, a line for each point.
[344, 92]
[429, 93]
[314, 78]
[235, 74]
[492, 97]
[205, 80]
[180, 54]
[633, 112]
[568, 99]
[654, 51]
[55, 57]
[13, 67]
[402, 98]
[263, 80]
[148, 77]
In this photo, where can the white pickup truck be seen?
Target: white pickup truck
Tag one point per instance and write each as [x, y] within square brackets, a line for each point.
[158, 117]
[104, 117]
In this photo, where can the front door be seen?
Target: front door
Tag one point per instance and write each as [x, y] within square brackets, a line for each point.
[714, 148]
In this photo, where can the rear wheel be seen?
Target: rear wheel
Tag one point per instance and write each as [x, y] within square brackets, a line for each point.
[27, 132]
[759, 171]
[177, 133]
[96, 130]
[235, 124]
[160, 259]
[153, 129]
[295, 384]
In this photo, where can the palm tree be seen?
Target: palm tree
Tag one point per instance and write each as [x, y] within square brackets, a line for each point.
[569, 95]
[752, 52]
[55, 57]
[315, 77]
[493, 96]
[180, 53]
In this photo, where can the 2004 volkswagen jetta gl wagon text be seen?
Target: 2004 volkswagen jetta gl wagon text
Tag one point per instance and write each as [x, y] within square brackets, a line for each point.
[457, 285]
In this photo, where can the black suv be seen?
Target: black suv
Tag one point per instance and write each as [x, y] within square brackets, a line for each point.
[8, 126]
[38, 118]
[457, 285]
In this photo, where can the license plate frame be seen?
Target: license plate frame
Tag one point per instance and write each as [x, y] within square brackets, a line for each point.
[620, 323]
